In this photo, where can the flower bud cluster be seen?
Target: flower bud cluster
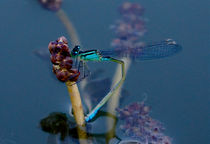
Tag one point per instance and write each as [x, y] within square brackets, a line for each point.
[130, 28]
[52, 5]
[61, 59]
[139, 125]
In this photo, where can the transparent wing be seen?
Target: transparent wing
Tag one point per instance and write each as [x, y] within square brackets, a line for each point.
[82, 68]
[157, 50]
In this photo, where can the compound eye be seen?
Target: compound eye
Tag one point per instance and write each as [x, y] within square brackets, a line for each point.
[77, 48]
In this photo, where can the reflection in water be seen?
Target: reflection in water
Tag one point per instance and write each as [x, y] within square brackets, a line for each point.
[63, 129]
[56, 123]
[138, 125]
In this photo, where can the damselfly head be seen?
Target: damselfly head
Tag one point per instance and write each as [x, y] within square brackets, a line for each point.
[75, 50]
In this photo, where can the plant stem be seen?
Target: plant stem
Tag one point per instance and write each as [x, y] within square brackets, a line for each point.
[113, 103]
[72, 87]
[77, 110]
[76, 102]
[74, 38]
[69, 27]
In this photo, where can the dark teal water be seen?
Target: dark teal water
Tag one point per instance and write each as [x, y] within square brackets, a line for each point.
[177, 87]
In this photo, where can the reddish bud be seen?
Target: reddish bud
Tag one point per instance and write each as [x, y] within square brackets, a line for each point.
[74, 75]
[66, 63]
[60, 57]
[62, 75]
[55, 69]
[65, 50]
[51, 46]
[63, 39]
[56, 58]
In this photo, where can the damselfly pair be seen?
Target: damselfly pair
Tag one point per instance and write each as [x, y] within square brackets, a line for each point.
[158, 50]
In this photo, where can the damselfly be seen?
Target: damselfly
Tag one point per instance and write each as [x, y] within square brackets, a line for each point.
[158, 50]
